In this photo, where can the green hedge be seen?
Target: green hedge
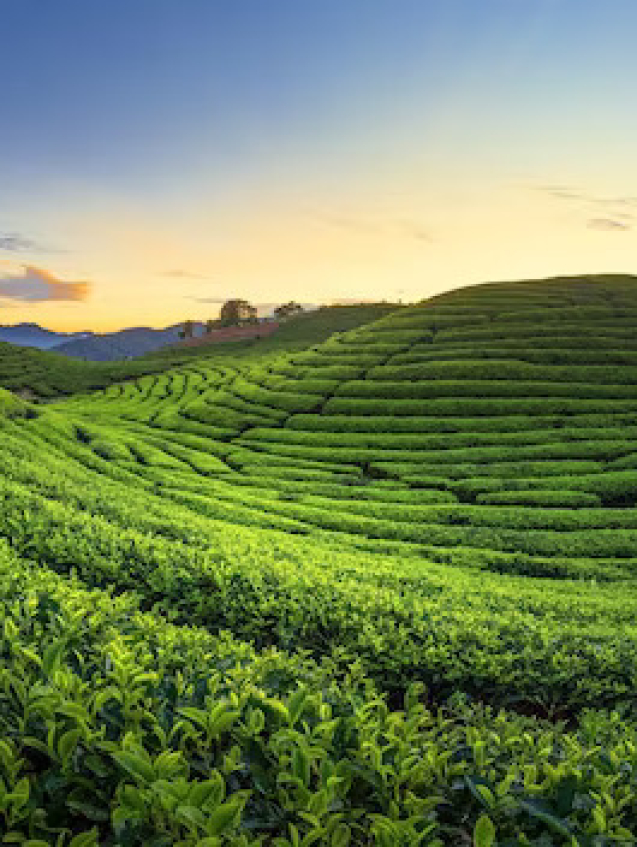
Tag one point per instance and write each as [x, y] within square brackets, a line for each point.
[502, 370]
[540, 498]
[481, 388]
[474, 406]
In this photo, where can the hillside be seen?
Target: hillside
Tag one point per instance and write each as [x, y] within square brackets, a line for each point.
[296, 333]
[377, 591]
[32, 335]
[126, 343]
[40, 374]
[48, 374]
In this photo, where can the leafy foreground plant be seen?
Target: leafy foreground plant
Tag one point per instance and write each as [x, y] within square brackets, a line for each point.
[118, 728]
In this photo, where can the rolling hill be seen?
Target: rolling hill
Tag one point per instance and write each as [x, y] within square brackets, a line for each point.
[379, 590]
[124, 344]
[33, 335]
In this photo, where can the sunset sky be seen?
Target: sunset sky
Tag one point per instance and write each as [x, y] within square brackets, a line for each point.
[158, 157]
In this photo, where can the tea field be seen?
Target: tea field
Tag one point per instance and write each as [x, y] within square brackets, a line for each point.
[379, 590]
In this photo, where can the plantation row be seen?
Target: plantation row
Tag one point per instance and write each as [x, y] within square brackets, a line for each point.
[446, 627]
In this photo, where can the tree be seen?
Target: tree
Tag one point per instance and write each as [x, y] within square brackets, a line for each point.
[187, 331]
[288, 310]
[236, 312]
[211, 325]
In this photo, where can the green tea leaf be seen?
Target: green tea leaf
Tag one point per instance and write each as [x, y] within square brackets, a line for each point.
[539, 810]
[135, 765]
[52, 657]
[341, 836]
[86, 839]
[67, 744]
[484, 832]
[224, 817]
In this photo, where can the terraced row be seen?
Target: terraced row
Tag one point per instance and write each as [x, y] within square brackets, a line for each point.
[418, 437]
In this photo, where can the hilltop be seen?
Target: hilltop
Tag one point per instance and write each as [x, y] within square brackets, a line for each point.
[378, 589]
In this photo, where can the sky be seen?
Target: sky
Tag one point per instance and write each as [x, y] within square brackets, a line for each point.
[158, 157]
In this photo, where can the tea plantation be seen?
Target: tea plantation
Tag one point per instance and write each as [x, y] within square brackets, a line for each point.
[378, 591]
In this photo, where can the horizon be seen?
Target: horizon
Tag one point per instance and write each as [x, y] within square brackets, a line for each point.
[159, 158]
[263, 309]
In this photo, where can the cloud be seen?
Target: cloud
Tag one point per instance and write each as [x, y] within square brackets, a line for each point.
[392, 226]
[35, 285]
[345, 222]
[182, 274]
[562, 192]
[263, 309]
[209, 299]
[607, 225]
[569, 192]
[617, 212]
[16, 243]
[415, 230]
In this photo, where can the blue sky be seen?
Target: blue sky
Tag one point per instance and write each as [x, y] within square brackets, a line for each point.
[166, 155]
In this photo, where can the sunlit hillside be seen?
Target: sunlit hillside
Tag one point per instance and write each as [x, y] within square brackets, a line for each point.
[371, 586]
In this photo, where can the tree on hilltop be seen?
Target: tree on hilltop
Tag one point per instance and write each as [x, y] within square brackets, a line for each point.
[288, 310]
[188, 330]
[236, 312]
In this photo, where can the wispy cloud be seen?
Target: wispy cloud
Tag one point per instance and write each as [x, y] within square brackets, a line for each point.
[617, 212]
[179, 273]
[209, 299]
[607, 224]
[34, 285]
[562, 192]
[414, 230]
[15, 242]
[346, 222]
[262, 308]
[368, 226]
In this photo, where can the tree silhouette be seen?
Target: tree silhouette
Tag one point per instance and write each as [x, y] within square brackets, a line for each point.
[188, 330]
[288, 310]
[236, 312]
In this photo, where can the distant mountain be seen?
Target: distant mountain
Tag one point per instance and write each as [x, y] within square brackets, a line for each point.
[127, 342]
[33, 335]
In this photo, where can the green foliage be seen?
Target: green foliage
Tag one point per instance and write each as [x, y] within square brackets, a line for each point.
[168, 734]
[13, 407]
[377, 591]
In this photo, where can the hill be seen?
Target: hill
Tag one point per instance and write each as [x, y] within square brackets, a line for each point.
[377, 591]
[39, 374]
[124, 344]
[33, 335]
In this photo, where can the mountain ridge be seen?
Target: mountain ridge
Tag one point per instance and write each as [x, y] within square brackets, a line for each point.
[31, 334]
